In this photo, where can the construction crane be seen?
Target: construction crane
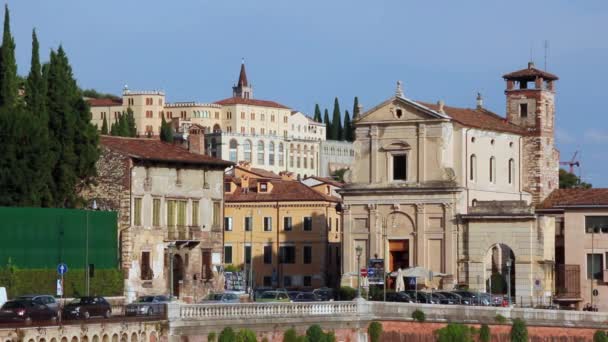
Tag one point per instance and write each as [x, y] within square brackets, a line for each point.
[572, 163]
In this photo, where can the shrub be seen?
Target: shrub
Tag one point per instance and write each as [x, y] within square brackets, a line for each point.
[376, 293]
[519, 331]
[246, 335]
[484, 333]
[290, 335]
[500, 319]
[454, 332]
[374, 331]
[265, 339]
[211, 337]
[600, 336]
[347, 293]
[314, 333]
[330, 337]
[227, 335]
[418, 316]
[231, 268]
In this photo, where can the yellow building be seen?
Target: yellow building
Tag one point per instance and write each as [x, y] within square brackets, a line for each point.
[280, 230]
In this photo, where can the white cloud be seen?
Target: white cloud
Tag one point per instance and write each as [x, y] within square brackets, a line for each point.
[596, 137]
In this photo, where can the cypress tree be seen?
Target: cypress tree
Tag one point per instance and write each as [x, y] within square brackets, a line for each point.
[346, 132]
[113, 129]
[104, 127]
[8, 66]
[356, 107]
[327, 125]
[166, 132]
[132, 129]
[123, 125]
[317, 117]
[336, 121]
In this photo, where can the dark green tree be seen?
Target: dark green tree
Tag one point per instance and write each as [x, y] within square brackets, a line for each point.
[314, 333]
[166, 132]
[484, 333]
[8, 66]
[104, 127]
[347, 131]
[227, 335]
[356, 114]
[317, 116]
[123, 125]
[132, 129]
[246, 335]
[454, 332]
[374, 331]
[600, 336]
[327, 125]
[336, 122]
[569, 180]
[519, 331]
[113, 129]
[35, 86]
[290, 335]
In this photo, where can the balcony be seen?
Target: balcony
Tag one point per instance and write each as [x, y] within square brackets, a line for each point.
[182, 236]
[568, 282]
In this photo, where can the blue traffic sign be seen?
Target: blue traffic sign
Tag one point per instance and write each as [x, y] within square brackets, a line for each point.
[62, 269]
[370, 271]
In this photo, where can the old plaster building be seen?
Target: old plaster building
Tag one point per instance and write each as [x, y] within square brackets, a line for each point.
[281, 231]
[169, 203]
[452, 189]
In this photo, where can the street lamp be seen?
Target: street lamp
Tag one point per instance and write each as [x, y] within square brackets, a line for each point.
[509, 280]
[359, 250]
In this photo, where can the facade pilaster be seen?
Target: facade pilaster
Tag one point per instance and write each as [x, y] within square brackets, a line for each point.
[419, 248]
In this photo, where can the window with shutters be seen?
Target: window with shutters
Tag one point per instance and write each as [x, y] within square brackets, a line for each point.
[137, 212]
[287, 255]
[308, 254]
[248, 255]
[308, 223]
[195, 214]
[228, 224]
[181, 213]
[217, 213]
[156, 212]
[268, 255]
[267, 224]
[146, 269]
[206, 270]
[287, 224]
[170, 213]
[248, 223]
[228, 254]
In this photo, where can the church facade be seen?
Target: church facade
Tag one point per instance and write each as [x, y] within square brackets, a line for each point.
[453, 189]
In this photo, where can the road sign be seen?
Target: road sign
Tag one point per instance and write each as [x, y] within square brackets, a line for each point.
[595, 292]
[411, 282]
[370, 272]
[364, 272]
[62, 269]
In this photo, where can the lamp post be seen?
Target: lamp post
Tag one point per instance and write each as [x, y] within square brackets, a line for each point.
[509, 280]
[359, 250]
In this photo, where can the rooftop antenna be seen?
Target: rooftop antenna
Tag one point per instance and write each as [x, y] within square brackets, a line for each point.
[546, 53]
[531, 51]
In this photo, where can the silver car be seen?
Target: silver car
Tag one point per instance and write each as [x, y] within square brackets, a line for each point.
[225, 297]
[47, 300]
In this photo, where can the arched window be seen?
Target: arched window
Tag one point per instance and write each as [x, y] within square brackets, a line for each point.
[261, 152]
[511, 170]
[305, 150]
[216, 128]
[271, 153]
[472, 167]
[281, 155]
[492, 170]
[299, 149]
[247, 150]
[233, 150]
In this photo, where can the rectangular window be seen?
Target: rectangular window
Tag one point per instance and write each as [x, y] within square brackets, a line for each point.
[307, 223]
[290, 161]
[287, 224]
[248, 223]
[170, 213]
[597, 223]
[268, 254]
[248, 254]
[400, 167]
[307, 281]
[228, 185]
[267, 281]
[137, 212]
[206, 271]
[181, 213]
[595, 266]
[337, 224]
[523, 110]
[308, 254]
[195, 205]
[286, 281]
[287, 255]
[267, 224]
[228, 254]
[156, 212]
[146, 269]
[217, 213]
[228, 224]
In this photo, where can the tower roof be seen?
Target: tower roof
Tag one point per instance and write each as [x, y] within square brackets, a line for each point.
[529, 74]
[243, 76]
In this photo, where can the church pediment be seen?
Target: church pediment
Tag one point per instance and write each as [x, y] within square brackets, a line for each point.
[400, 109]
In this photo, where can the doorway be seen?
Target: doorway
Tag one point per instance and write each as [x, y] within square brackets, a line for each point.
[178, 273]
[399, 254]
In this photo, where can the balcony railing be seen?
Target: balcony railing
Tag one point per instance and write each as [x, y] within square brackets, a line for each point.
[568, 281]
[175, 233]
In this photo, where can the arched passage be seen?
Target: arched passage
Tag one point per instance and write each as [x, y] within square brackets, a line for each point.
[124, 338]
[134, 337]
[115, 338]
[499, 269]
[400, 242]
[153, 337]
[178, 273]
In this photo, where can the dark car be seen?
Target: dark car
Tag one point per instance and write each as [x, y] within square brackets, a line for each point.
[455, 299]
[306, 297]
[324, 293]
[147, 306]
[259, 291]
[474, 298]
[293, 294]
[86, 307]
[26, 311]
[47, 300]
[422, 297]
[440, 298]
[401, 297]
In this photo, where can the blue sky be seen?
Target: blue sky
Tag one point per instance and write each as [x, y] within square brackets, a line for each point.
[304, 52]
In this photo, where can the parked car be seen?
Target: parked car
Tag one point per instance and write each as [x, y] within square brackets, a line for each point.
[26, 311]
[324, 293]
[274, 296]
[421, 297]
[43, 299]
[468, 298]
[257, 293]
[306, 297]
[439, 298]
[455, 298]
[225, 297]
[86, 307]
[401, 297]
[147, 306]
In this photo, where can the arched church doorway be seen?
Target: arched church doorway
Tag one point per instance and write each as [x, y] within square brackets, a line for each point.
[499, 270]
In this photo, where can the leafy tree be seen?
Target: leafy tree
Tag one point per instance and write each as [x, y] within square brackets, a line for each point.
[211, 337]
[104, 127]
[246, 335]
[8, 66]
[317, 116]
[314, 333]
[454, 332]
[374, 330]
[328, 129]
[519, 331]
[600, 336]
[356, 107]
[339, 175]
[290, 335]
[484, 333]
[132, 129]
[94, 94]
[336, 122]
[166, 132]
[227, 335]
[347, 131]
[569, 180]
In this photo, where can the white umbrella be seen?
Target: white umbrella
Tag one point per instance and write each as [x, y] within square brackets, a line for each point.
[400, 285]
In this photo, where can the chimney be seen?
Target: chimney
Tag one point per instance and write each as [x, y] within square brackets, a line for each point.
[479, 101]
[441, 104]
[530, 65]
[245, 165]
[245, 183]
[196, 142]
[286, 175]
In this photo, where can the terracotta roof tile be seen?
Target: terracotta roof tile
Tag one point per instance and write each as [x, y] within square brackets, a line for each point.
[478, 118]
[282, 190]
[530, 73]
[251, 102]
[158, 151]
[104, 102]
[575, 197]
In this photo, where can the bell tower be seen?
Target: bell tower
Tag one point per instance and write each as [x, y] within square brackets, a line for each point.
[531, 105]
[242, 89]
